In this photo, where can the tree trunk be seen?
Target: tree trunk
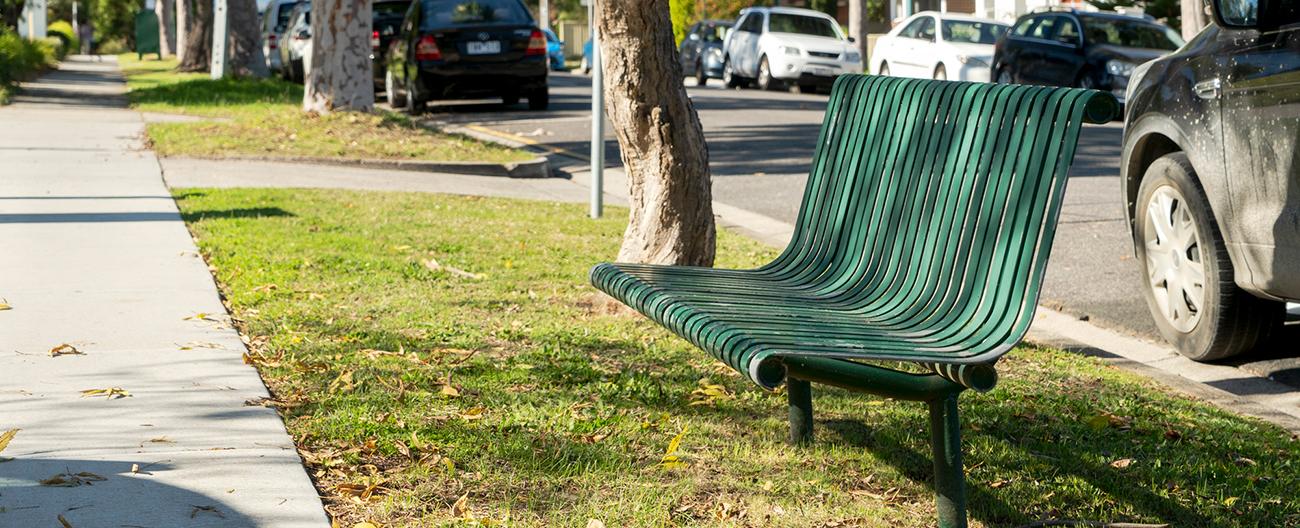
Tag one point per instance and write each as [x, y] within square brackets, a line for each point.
[198, 38]
[182, 23]
[244, 49]
[858, 28]
[166, 29]
[662, 142]
[1193, 18]
[340, 79]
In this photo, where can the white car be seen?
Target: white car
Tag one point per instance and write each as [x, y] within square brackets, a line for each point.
[932, 45]
[774, 46]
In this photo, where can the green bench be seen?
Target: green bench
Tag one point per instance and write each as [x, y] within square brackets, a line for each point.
[923, 235]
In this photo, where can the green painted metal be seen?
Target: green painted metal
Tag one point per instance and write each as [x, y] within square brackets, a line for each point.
[146, 34]
[799, 396]
[923, 235]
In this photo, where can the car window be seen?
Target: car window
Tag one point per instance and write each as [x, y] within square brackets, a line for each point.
[802, 25]
[451, 13]
[926, 31]
[1130, 33]
[1067, 31]
[390, 9]
[1045, 28]
[713, 32]
[753, 23]
[912, 29]
[282, 16]
[1024, 26]
[972, 32]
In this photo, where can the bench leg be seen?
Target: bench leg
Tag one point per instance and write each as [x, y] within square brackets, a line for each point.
[949, 477]
[799, 393]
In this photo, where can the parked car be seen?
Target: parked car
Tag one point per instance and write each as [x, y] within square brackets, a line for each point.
[450, 49]
[275, 19]
[701, 50]
[295, 47]
[773, 46]
[932, 45]
[1069, 47]
[554, 50]
[1211, 179]
[585, 66]
[386, 19]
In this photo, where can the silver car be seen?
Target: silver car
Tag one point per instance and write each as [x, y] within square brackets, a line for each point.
[778, 46]
[275, 19]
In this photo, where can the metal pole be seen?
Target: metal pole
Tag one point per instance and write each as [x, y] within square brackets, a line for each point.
[220, 35]
[597, 121]
[544, 9]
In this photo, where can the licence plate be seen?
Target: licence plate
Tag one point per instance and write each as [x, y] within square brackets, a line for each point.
[823, 72]
[483, 48]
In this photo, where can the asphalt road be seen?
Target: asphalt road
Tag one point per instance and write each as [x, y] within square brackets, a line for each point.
[760, 148]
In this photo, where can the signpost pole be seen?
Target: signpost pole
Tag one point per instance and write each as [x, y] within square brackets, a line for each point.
[220, 36]
[597, 119]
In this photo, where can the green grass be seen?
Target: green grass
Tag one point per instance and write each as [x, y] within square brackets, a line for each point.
[523, 393]
[263, 118]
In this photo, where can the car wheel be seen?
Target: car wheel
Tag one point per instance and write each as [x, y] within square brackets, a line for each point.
[1004, 75]
[1189, 276]
[414, 105]
[765, 80]
[701, 78]
[1086, 82]
[539, 99]
[729, 77]
[395, 99]
[941, 73]
[884, 69]
[298, 77]
[510, 99]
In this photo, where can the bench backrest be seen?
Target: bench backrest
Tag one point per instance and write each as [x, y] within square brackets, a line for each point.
[931, 206]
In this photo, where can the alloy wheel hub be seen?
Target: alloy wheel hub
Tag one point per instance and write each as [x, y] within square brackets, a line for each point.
[1175, 267]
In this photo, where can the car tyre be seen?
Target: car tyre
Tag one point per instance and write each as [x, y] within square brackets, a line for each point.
[396, 99]
[539, 99]
[1003, 76]
[940, 73]
[510, 99]
[1175, 234]
[729, 77]
[765, 80]
[296, 75]
[701, 78]
[414, 105]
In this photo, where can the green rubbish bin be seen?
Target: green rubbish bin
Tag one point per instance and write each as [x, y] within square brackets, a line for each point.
[146, 34]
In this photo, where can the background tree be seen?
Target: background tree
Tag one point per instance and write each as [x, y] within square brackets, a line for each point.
[858, 26]
[340, 58]
[198, 37]
[1193, 17]
[244, 50]
[659, 133]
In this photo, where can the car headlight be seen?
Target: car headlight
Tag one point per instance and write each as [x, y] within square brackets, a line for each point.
[790, 50]
[973, 61]
[1119, 68]
[715, 53]
[852, 56]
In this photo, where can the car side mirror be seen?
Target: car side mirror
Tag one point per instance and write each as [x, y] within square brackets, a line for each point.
[1254, 14]
[851, 39]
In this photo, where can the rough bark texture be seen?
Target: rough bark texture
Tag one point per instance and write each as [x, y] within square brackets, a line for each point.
[182, 23]
[660, 136]
[339, 79]
[166, 28]
[244, 50]
[1193, 18]
[198, 38]
[858, 26]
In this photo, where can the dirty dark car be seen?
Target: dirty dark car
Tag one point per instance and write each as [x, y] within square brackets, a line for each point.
[1211, 179]
[467, 49]
[387, 19]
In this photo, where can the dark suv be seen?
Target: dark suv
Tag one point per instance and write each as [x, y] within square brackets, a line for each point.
[1083, 49]
[1211, 172]
[701, 51]
[462, 49]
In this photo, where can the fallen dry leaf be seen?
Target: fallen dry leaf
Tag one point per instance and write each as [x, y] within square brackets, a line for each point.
[200, 316]
[366, 524]
[111, 393]
[433, 265]
[72, 480]
[64, 521]
[999, 483]
[461, 508]
[135, 468]
[206, 509]
[200, 344]
[6, 437]
[65, 350]
[5, 306]
[1122, 463]
[449, 391]
[473, 413]
[670, 459]
[595, 523]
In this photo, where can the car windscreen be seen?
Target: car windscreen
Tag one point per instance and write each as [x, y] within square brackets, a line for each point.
[282, 17]
[715, 32]
[1130, 33]
[802, 25]
[452, 13]
[972, 32]
[390, 9]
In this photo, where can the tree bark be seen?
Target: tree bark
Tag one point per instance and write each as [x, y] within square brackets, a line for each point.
[198, 38]
[166, 29]
[340, 79]
[659, 133]
[858, 27]
[244, 49]
[1193, 18]
[182, 23]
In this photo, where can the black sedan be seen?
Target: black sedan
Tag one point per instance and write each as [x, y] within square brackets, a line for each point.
[1211, 172]
[701, 51]
[1067, 47]
[388, 16]
[467, 49]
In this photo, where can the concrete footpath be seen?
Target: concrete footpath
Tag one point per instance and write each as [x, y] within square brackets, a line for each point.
[117, 359]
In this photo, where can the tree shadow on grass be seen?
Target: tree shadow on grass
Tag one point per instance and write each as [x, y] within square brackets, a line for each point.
[241, 212]
[215, 93]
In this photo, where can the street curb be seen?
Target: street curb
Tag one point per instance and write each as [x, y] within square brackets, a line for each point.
[538, 167]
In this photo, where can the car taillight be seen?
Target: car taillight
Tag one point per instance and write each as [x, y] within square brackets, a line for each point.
[374, 40]
[536, 44]
[270, 41]
[427, 49]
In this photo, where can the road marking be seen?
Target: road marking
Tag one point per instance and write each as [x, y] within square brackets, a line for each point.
[527, 141]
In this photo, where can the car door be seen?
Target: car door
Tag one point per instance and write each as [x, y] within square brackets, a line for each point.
[747, 60]
[1033, 52]
[1260, 88]
[399, 53]
[920, 39]
[1060, 57]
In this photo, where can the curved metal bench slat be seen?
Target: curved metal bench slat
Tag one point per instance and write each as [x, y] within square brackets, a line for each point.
[923, 234]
